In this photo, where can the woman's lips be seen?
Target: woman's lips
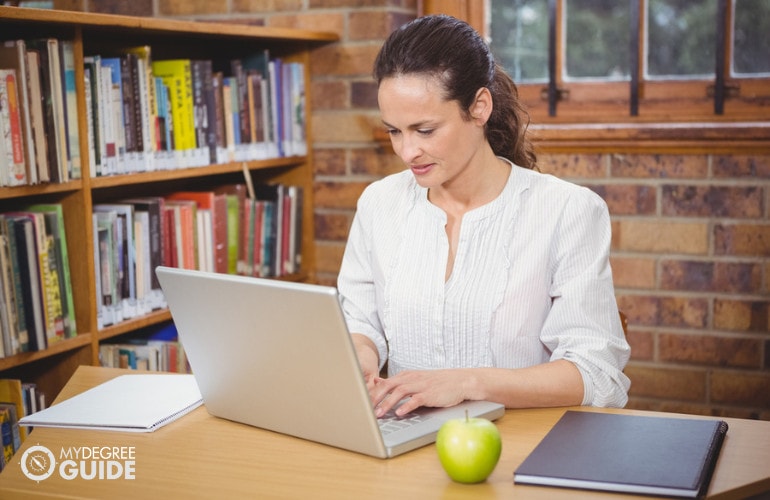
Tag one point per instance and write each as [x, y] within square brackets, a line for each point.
[421, 169]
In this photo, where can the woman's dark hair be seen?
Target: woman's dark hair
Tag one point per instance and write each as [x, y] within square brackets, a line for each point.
[452, 51]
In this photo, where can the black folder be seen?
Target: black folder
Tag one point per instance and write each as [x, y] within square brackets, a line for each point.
[665, 456]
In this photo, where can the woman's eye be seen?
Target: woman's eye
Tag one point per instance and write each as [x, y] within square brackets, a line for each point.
[392, 131]
[425, 131]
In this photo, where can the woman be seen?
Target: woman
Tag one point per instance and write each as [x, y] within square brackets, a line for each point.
[471, 274]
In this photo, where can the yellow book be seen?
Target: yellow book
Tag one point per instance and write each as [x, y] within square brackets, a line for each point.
[177, 76]
[11, 392]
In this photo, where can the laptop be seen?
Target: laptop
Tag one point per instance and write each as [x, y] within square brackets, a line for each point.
[277, 355]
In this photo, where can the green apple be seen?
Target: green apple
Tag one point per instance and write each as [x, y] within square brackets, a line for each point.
[468, 448]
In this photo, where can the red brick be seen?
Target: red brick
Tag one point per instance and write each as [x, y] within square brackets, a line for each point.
[330, 95]
[668, 383]
[767, 355]
[328, 257]
[642, 345]
[710, 350]
[343, 127]
[711, 276]
[324, 4]
[338, 194]
[344, 60]
[332, 226]
[627, 199]
[742, 315]
[329, 161]
[363, 94]
[713, 201]
[573, 166]
[678, 312]
[661, 236]
[645, 166]
[323, 21]
[76, 5]
[742, 239]
[742, 166]
[707, 410]
[121, 7]
[374, 161]
[266, 6]
[374, 24]
[741, 388]
[190, 7]
[630, 272]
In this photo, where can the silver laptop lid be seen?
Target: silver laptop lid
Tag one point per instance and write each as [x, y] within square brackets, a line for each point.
[273, 354]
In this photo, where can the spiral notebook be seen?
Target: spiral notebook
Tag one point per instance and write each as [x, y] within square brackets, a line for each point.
[132, 403]
[647, 455]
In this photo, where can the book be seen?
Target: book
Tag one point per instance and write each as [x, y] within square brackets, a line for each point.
[125, 255]
[70, 105]
[11, 131]
[626, 454]
[146, 106]
[11, 392]
[13, 421]
[13, 55]
[26, 258]
[177, 75]
[153, 207]
[95, 112]
[13, 290]
[54, 221]
[216, 228]
[130, 403]
[53, 107]
[37, 117]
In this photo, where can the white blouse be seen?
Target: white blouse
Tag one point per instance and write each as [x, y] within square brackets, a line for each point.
[531, 281]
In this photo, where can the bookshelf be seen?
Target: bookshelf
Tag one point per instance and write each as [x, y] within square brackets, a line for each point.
[92, 34]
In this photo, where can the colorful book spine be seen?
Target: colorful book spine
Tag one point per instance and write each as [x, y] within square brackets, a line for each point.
[177, 75]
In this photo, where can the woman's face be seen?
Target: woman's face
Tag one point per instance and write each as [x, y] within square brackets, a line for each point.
[431, 135]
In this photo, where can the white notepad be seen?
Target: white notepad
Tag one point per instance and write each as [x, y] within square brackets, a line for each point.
[133, 403]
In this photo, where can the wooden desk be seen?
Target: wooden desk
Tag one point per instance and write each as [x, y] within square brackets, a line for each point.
[201, 456]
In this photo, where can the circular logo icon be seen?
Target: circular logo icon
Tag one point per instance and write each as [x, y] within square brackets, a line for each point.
[38, 463]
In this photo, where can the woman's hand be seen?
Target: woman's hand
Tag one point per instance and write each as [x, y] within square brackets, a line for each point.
[368, 358]
[437, 388]
[556, 383]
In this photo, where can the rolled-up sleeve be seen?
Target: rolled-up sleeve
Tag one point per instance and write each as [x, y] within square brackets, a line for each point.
[583, 325]
[358, 295]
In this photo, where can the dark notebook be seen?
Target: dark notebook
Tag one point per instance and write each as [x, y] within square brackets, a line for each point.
[626, 453]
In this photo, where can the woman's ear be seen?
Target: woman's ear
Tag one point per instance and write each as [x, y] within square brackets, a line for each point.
[481, 108]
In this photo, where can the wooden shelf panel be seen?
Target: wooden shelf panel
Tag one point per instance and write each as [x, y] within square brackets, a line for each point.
[131, 325]
[66, 345]
[148, 25]
[187, 173]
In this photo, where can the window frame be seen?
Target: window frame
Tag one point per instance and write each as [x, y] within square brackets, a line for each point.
[681, 100]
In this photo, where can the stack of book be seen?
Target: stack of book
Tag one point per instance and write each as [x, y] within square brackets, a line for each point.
[39, 138]
[36, 303]
[146, 114]
[17, 400]
[226, 230]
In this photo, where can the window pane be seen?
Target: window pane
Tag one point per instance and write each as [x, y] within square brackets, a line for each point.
[681, 38]
[751, 43]
[597, 39]
[518, 33]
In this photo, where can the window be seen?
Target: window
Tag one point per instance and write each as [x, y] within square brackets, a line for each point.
[608, 60]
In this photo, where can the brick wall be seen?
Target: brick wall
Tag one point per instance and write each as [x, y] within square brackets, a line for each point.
[691, 242]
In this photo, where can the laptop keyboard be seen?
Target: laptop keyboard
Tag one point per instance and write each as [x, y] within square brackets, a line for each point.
[390, 422]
